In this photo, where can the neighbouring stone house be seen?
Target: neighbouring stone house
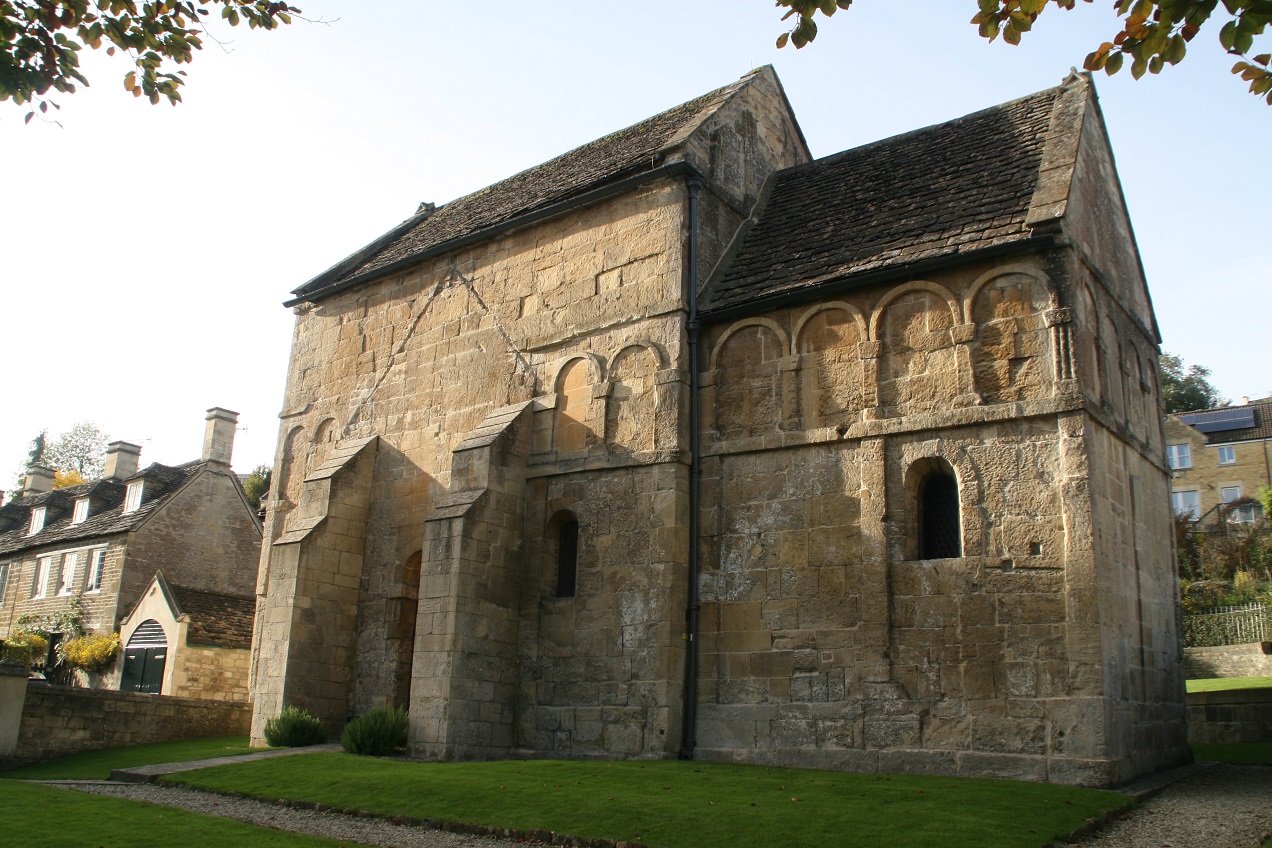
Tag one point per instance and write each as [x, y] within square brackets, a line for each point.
[686, 443]
[1220, 457]
[100, 544]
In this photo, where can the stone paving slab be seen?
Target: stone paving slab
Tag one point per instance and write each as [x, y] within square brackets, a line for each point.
[150, 773]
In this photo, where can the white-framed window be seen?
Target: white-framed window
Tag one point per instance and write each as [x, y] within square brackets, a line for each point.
[81, 511]
[1186, 503]
[1179, 456]
[96, 565]
[37, 520]
[132, 499]
[1227, 454]
[69, 563]
[43, 566]
[4, 580]
[1228, 494]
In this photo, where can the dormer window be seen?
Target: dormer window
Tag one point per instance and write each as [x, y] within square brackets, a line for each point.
[37, 520]
[132, 500]
[81, 511]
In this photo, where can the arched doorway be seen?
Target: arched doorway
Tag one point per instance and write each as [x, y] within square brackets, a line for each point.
[144, 659]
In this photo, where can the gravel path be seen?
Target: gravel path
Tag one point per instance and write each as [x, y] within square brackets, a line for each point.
[366, 831]
[1225, 806]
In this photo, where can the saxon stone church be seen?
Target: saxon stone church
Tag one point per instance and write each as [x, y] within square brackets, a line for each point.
[687, 444]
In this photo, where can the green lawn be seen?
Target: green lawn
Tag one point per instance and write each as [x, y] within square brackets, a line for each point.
[684, 804]
[1249, 753]
[1219, 684]
[35, 816]
[97, 765]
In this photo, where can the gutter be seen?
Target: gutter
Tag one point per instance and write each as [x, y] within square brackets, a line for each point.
[694, 326]
[588, 198]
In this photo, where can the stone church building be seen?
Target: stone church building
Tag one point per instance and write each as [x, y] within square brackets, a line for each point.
[685, 443]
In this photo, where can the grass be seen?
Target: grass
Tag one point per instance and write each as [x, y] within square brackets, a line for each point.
[1247, 753]
[97, 765]
[662, 803]
[1221, 684]
[35, 816]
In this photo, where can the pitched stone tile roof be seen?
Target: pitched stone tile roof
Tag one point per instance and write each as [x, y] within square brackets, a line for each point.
[640, 148]
[106, 516]
[947, 189]
[224, 621]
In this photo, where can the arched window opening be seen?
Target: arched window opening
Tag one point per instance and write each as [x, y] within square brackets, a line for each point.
[567, 559]
[939, 530]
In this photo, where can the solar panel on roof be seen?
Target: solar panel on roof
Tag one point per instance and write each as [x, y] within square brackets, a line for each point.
[1219, 420]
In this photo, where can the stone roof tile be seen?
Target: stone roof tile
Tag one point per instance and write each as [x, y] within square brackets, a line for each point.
[217, 619]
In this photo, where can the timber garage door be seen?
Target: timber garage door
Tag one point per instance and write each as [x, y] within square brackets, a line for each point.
[144, 659]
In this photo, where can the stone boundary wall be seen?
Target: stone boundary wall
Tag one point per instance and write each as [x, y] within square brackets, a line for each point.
[1237, 715]
[1250, 660]
[58, 720]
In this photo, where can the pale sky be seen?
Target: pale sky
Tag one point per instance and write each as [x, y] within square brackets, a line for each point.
[145, 250]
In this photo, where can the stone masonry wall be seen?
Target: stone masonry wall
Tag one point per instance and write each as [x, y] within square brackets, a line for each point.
[601, 672]
[101, 608]
[57, 721]
[219, 674]
[1251, 660]
[205, 537]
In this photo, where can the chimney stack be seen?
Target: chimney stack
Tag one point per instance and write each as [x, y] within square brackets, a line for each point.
[218, 438]
[38, 479]
[121, 461]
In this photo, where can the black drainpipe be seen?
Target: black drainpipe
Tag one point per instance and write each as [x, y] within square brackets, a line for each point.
[688, 736]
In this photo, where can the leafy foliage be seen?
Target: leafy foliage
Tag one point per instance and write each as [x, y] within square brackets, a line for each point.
[66, 479]
[23, 647]
[38, 446]
[81, 449]
[69, 621]
[1155, 33]
[1185, 390]
[42, 40]
[294, 728]
[379, 733]
[92, 652]
[256, 486]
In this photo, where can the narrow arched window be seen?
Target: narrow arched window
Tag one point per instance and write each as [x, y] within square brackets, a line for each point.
[939, 530]
[567, 559]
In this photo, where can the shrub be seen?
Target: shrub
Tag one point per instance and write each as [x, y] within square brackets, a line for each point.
[294, 728]
[377, 734]
[24, 647]
[92, 652]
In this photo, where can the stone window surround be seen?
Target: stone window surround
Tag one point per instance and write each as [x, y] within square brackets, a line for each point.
[94, 557]
[39, 587]
[1193, 504]
[4, 580]
[1179, 456]
[1227, 454]
[96, 567]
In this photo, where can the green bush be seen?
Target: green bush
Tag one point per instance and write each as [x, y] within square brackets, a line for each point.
[294, 728]
[377, 734]
[24, 648]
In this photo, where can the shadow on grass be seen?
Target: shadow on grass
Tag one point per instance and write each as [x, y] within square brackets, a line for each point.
[97, 765]
[670, 803]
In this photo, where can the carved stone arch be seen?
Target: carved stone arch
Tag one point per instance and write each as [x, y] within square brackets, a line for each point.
[1089, 367]
[922, 464]
[1110, 348]
[956, 312]
[633, 399]
[742, 325]
[1011, 356]
[827, 340]
[323, 440]
[291, 471]
[595, 369]
[985, 279]
[658, 352]
[573, 419]
[747, 367]
[921, 369]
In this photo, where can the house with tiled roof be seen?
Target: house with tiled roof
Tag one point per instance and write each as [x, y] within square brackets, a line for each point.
[687, 443]
[1219, 460]
[93, 549]
[190, 643]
